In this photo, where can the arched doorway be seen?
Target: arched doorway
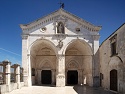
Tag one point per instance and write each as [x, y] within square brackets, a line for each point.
[43, 60]
[113, 80]
[78, 62]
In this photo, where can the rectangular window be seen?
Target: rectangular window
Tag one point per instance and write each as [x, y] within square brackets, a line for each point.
[113, 48]
[113, 43]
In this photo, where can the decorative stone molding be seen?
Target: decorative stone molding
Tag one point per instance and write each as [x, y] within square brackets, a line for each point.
[96, 37]
[60, 44]
[61, 76]
[113, 38]
[61, 56]
[60, 80]
[24, 36]
[60, 18]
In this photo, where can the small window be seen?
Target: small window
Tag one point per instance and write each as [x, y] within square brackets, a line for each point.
[101, 76]
[113, 48]
[113, 42]
[77, 29]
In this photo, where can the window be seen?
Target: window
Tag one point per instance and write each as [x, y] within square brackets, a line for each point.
[77, 29]
[113, 48]
[101, 76]
[113, 41]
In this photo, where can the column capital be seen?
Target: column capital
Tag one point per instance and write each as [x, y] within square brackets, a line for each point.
[96, 37]
[24, 37]
[61, 56]
[6, 62]
[15, 65]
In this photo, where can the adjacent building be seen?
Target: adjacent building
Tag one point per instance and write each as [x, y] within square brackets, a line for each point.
[112, 61]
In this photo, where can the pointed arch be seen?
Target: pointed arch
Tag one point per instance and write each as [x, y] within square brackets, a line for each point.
[72, 64]
[77, 43]
[39, 42]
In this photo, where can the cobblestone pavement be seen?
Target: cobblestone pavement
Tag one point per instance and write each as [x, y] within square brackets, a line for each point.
[60, 90]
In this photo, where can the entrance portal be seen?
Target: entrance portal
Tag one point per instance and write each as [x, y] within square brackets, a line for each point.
[46, 77]
[113, 80]
[72, 77]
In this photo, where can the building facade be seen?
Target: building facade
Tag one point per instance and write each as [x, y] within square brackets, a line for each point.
[112, 61]
[60, 49]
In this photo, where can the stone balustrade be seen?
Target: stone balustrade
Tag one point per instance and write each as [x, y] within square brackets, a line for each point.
[11, 77]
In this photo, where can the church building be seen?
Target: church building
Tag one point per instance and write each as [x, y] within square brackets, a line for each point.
[60, 49]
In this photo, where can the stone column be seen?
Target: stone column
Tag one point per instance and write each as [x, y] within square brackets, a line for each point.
[80, 77]
[24, 59]
[18, 75]
[6, 69]
[60, 78]
[29, 72]
[66, 76]
[53, 76]
[7, 72]
[95, 63]
[39, 77]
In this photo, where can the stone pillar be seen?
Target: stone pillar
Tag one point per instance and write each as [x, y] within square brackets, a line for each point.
[95, 63]
[53, 76]
[6, 65]
[18, 75]
[60, 78]
[39, 77]
[24, 59]
[66, 76]
[6, 69]
[29, 72]
[80, 77]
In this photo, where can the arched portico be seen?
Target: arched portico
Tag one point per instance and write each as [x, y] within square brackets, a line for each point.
[78, 57]
[43, 58]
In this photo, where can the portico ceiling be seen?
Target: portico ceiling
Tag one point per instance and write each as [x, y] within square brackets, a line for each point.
[81, 46]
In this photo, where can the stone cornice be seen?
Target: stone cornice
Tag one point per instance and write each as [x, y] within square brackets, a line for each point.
[24, 36]
[50, 35]
[51, 17]
[96, 37]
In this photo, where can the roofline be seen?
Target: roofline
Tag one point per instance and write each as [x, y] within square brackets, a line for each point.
[112, 33]
[25, 26]
[80, 18]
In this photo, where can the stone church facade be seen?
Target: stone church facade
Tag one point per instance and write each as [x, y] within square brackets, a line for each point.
[60, 49]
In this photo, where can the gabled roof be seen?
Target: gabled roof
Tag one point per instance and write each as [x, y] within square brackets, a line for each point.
[63, 13]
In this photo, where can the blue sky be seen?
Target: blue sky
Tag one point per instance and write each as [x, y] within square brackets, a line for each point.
[110, 14]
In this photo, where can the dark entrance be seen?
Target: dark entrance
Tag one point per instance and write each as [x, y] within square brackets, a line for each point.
[46, 77]
[113, 80]
[72, 77]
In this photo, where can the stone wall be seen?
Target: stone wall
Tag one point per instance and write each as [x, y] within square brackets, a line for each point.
[109, 62]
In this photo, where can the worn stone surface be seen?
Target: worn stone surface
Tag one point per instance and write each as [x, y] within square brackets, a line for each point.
[60, 90]
[109, 62]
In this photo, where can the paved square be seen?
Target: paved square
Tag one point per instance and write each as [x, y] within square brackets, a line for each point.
[59, 90]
